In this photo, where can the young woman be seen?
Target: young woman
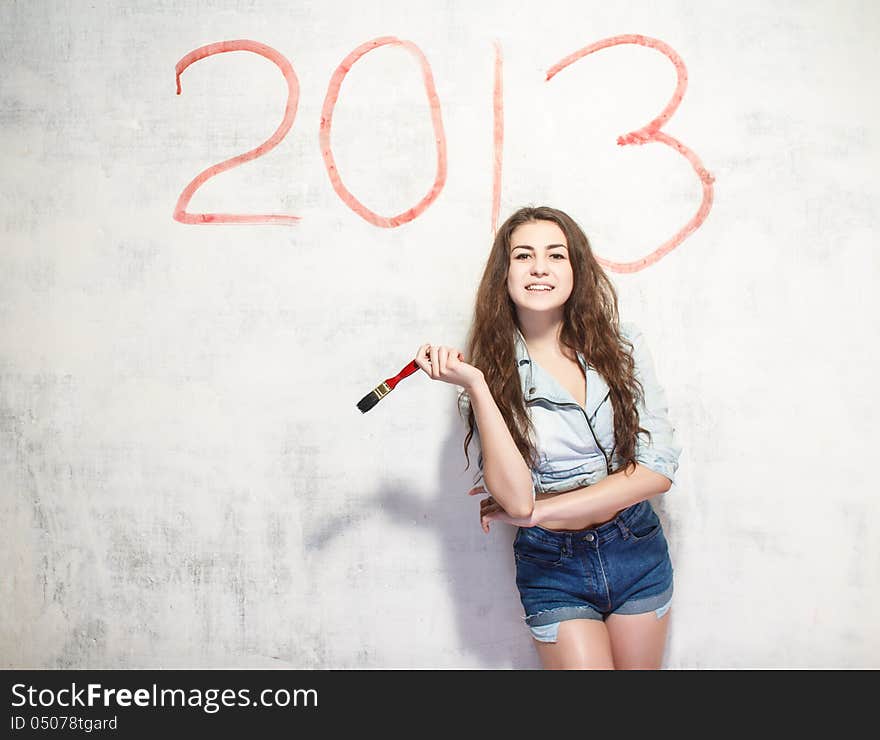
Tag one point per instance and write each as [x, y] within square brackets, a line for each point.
[574, 439]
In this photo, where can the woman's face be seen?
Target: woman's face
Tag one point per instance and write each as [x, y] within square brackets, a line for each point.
[539, 255]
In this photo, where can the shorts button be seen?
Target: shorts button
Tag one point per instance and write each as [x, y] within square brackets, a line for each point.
[589, 538]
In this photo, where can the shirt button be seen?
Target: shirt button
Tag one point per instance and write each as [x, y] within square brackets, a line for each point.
[531, 390]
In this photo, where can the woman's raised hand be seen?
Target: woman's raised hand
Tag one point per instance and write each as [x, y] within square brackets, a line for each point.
[447, 364]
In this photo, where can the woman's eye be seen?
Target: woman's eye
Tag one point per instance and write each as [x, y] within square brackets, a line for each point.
[524, 255]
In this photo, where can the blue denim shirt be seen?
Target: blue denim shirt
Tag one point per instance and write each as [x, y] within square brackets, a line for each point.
[576, 444]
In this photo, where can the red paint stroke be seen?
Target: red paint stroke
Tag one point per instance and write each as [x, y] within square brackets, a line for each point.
[497, 137]
[439, 136]
[180, 212]
[652, 133]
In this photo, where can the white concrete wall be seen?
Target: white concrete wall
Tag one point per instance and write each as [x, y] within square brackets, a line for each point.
[185, 478]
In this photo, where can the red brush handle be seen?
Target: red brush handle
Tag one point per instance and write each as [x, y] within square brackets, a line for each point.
[405, 373]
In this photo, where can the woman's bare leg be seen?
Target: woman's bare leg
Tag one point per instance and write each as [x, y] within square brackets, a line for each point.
[581, 644]
[638, 640]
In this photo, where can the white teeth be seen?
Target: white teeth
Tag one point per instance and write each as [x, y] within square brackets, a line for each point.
[539, 287]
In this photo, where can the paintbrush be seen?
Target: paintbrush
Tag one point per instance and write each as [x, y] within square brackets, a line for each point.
[384, 388]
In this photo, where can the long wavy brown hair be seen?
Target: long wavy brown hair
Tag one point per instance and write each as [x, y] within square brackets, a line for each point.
[591, 325]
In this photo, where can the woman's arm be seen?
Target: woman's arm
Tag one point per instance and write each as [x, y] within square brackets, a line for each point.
[505, 473]
[598, 502]
[502, 466]
[601, 501]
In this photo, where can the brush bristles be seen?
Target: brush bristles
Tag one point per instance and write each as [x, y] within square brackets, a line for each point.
[373, 397]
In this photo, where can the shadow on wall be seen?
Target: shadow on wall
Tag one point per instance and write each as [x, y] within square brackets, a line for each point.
[477, 568]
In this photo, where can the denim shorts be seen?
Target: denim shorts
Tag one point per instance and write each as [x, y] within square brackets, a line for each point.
[619, 567]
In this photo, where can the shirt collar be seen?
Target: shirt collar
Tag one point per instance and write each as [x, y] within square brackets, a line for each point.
[537, 382]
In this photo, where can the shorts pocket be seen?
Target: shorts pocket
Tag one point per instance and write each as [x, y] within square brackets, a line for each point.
[645, 526]
[530, 549]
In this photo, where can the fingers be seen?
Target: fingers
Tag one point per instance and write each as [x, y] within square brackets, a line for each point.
[437, 360]
[420, 358]
[477, 489]
[442, 355]
[484, 523]
[425, 360]
[488, 506]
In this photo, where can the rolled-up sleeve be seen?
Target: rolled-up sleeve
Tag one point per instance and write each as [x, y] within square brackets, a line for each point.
[661, 453]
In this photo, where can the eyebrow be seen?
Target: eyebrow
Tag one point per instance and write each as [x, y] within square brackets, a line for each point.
[526, 246]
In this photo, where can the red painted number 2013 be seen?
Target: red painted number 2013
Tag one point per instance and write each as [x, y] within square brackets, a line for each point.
[649, 133]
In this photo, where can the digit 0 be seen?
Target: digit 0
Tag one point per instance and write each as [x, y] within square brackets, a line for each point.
[439, 136]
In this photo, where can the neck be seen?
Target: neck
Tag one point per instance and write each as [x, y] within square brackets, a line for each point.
[541, 332]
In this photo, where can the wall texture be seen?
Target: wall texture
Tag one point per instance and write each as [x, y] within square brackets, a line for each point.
[185, 480]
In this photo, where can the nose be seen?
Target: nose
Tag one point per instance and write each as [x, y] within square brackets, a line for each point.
[539, 266]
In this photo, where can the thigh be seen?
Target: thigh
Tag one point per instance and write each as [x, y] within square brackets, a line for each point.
[638, 640]
[581, 644]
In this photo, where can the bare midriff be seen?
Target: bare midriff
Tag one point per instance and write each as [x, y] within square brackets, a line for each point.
[569, 525]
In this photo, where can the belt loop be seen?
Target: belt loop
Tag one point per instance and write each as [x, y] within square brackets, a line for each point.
[621, 526]
[567, 546]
